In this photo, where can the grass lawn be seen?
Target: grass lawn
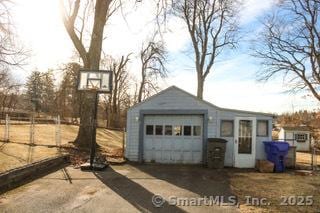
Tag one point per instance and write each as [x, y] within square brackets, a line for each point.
[304, 158]
[273, 186]
[13, 155]
[17, 152]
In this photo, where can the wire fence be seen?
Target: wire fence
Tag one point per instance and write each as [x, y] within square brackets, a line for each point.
[304, 159]
[49, 131]
[24, 140]
[40, 131]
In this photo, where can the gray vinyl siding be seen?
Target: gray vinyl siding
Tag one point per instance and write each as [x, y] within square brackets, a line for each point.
[175, 99]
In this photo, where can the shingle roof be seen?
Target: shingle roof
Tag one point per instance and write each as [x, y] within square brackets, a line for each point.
[296, 128]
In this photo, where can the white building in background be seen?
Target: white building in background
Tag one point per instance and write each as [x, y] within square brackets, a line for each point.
[298, 136]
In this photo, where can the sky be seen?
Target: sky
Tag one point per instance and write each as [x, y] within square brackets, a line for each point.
[232, 82]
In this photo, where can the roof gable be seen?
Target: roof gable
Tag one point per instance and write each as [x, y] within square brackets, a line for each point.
[196, 99]
[164, 92]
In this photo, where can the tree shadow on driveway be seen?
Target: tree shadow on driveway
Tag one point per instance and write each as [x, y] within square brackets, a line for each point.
[194, 178]
[132, 192]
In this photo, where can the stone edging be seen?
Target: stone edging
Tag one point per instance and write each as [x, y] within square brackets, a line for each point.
[21, 175]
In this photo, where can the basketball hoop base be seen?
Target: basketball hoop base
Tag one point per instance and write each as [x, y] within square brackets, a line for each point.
[94, 167]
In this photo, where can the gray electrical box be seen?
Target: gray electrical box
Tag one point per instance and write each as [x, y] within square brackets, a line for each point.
[216, 151]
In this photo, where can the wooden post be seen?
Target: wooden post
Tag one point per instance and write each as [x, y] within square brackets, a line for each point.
[32, 130]
[316, 158]
[58, 132]
[7, 131]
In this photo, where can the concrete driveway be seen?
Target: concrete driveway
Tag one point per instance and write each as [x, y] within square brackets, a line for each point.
[125, 188]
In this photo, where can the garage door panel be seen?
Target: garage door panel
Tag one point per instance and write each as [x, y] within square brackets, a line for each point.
[158, 145]
[177, 156]
[166, 157]
[196, 157]
[173, 149]
[166, 144]
[187, 155]
[195, 145]
[187, 146]
[177, 145]
[158, 156]
[149, 145]
[147, 156]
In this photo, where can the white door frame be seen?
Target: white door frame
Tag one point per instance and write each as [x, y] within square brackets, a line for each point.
[242, 160]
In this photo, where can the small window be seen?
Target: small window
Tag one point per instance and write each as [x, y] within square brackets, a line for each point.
[196, 130]
[149, 130]
[159, 130]
[262, 128]
[301, 137]
[226, 128]
[168, 130]
[177, 130]
[187, 130]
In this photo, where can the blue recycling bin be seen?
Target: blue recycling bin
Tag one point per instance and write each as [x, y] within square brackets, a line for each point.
[276, 152]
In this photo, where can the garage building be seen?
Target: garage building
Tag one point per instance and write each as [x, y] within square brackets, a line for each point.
[173, 127]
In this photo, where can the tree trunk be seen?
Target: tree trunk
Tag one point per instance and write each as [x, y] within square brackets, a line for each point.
[141, 87]
[114, 106]
[86, 119]
[200, 86]
[86, 132]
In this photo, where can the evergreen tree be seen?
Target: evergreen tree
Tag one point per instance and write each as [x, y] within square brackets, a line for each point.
[48, 94]
[40, 91]
[68, 97]
[35, 90]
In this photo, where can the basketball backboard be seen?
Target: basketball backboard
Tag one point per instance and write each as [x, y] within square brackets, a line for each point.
[99, 80]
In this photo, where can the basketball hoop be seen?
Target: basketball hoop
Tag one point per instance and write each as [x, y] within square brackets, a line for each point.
[98, 81]
[95, 80]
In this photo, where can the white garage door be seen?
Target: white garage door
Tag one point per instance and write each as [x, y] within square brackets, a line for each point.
[173, 139]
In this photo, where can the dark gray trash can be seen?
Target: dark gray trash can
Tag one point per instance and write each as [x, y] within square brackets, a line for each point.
[216, 151]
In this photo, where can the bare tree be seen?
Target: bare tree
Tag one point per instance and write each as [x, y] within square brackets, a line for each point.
[68, 99]
[120, 89]
[75, 20]
[212, 27]
[9, 92]
[290, 46]
[11, 54]
[153, 58]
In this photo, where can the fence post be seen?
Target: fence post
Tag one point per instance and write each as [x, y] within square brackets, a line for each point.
[58, 131]
[312, 151]
[7, 131]
[316, 158]
[32, 130]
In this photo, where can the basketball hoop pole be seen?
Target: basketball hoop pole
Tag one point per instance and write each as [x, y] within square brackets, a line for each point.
[94, 132]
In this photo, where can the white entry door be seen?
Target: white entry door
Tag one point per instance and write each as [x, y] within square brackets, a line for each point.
[245, 142]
